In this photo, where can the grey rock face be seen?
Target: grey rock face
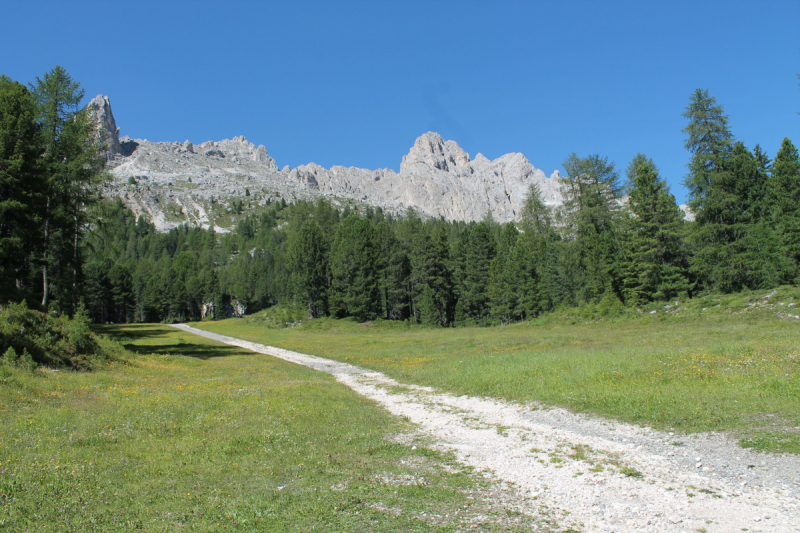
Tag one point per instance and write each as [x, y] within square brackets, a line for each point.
[437, 178]
[177, 182]
[105, 125]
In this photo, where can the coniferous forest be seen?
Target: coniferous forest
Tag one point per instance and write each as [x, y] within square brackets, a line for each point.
[619, 240]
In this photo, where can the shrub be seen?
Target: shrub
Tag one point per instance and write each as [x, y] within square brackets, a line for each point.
[50, 341]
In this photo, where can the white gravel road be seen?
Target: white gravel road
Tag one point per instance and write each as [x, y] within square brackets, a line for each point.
[593, 474]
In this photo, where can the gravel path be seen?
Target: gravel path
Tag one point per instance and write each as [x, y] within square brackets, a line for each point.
[593, 474]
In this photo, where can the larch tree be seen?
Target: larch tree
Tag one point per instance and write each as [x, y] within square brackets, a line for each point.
[589, 218]
[73, 166]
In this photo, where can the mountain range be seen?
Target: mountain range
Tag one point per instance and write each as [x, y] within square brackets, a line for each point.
[210, 184]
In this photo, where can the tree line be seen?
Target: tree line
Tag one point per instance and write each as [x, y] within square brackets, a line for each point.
[617, 240]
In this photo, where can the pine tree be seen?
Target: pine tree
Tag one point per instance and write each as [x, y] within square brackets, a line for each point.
[479, 249]
[655, 262]
[308, 264]
[536, 216]
[21, 183]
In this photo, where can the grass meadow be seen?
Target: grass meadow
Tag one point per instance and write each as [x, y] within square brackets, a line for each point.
[727, 363]
[191, 435]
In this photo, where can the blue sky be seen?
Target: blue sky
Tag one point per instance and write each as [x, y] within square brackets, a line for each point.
[354, 83]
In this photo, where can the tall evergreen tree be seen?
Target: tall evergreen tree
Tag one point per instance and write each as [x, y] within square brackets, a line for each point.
[735, 246]
[655, 263]
[356, 267]
[785, 198]
[21, 183]
[436, 299]
[589, 216]
[73, 167]
[709, 141]
[308, 263]
[478, 250]
[504, 276]
[396, 269]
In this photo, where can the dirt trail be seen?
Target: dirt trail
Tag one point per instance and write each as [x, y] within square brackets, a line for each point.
[592, 474]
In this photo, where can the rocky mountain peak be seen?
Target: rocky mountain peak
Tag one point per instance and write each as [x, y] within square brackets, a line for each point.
[178, 182]
[432, 151]
[106, 128]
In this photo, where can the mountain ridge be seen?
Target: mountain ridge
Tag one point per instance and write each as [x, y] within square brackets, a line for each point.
[175, 183]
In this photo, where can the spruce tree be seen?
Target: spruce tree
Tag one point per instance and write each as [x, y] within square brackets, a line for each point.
[308, 264]
[785, 199]
[735, 246]
[431, 276]
[503, 277]
[655, 260]
[356, 267]
[709, 141]
[396, 269]
[21, 185]
[479, 248]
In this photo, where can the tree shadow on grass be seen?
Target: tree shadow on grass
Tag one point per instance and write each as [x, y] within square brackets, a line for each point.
[187, 349]
[137, 339]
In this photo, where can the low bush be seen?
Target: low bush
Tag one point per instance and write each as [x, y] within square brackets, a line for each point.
[29, 338]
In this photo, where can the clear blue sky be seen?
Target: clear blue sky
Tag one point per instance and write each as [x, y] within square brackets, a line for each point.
[354, 83]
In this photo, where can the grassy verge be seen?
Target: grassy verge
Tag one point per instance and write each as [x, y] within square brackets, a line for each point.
[718, 363]
[199, 436]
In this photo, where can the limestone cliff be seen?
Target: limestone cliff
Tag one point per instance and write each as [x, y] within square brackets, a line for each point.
[176, 182]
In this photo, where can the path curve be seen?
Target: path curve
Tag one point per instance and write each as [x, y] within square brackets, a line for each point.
[593, 474]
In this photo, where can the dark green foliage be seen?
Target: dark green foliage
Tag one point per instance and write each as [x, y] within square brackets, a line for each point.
[734, 241]
[308, 264]
[396, 270]
[655, 262]
[477, 249]
[436, 307]
[735, 246]
[21, 186]
[590, 220]
[709, 140]
[785, 199]
[355, 270]
[28, 338]
[504, 275]
[73, 167]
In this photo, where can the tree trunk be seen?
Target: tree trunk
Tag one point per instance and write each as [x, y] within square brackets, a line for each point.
[46, 246]
[75, 268]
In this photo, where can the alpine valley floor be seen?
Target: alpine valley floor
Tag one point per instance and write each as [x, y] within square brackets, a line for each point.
[593, 474]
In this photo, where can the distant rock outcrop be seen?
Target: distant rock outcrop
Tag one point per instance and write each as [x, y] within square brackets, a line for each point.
[105, 126]
[177, 182]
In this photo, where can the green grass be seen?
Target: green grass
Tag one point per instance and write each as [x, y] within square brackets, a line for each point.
[194, 435]
[717, 363]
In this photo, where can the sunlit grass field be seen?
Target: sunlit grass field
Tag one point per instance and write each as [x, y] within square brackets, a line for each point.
[716, 363]
[194, 435]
